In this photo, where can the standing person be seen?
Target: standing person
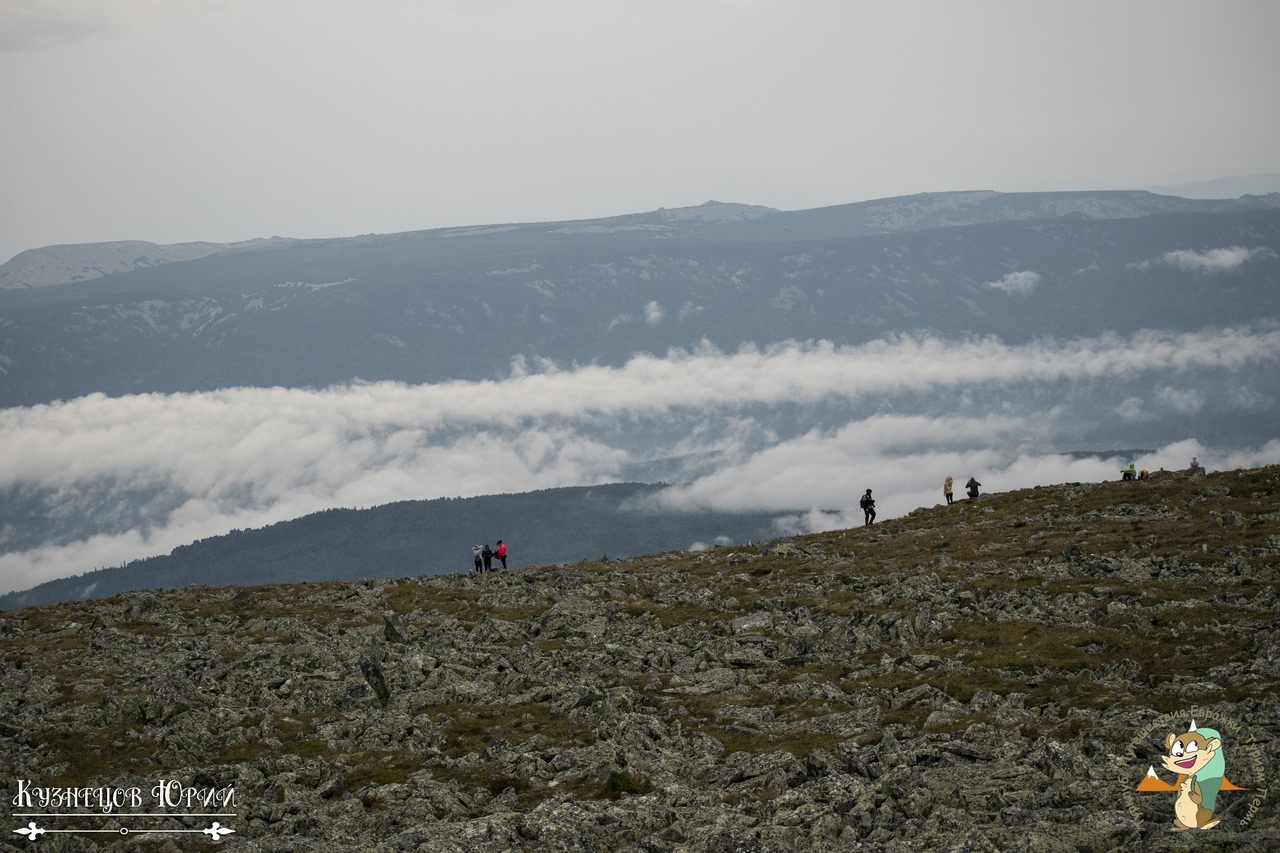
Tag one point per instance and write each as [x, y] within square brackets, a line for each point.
[487, 556]
[972, 486]
[946, 488]
[868, 505]
[475, 552]
[501, 553]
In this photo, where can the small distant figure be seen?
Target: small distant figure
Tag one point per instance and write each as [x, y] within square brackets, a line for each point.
[501, 553]
[487, 556]
[1130, 473]
[973, 485]
[1195, 463]
[946, 488]
[868, 505]
[476, 553]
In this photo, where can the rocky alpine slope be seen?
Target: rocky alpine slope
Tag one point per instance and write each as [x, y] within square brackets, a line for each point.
[993, 675]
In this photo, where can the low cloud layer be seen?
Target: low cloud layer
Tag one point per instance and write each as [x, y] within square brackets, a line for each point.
[860, 417]
[1208, 262]
[1214, 260]
[1017, 282]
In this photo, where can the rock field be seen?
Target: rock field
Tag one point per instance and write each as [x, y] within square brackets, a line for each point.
[993, 675]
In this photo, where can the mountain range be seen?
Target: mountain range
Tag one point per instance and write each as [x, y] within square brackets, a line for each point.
[464, 302]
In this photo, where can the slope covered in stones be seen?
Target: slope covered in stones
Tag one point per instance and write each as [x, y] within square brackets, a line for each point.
[997, 674]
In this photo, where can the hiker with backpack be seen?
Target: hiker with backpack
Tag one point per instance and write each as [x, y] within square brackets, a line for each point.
[501, 553]
[868, 505]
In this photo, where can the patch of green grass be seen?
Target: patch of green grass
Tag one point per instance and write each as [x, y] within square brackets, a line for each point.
[957, 724]
[377, 767]
[528, 792]
[819, 672]
[82, 756]
[466, 605]
[296, 734]
[44, 649]
[145, 629]
[468, 729]
[910, 716]
[683, 612]
[626, 782]
[699, 713]
[799, 742]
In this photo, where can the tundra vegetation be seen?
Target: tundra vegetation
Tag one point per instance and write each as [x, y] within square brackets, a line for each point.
[994, 674]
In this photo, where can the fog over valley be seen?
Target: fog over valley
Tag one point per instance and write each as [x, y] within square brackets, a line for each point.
[796, 428]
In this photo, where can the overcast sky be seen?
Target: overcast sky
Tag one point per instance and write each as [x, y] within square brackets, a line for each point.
[224, 120]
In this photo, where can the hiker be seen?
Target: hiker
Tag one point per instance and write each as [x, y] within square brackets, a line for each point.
[868, 505]
[487, 556]
[501, 553]
[946, 488]
[1195, 463]
[1130, 473]
[972, 486]
[476, 553]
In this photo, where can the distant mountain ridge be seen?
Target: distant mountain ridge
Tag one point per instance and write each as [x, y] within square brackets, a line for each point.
[53, 265]
[67, 264]
[463, 303]
[1233, 186]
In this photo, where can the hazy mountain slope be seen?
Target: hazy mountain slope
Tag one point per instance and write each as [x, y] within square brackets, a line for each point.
[942, 210]
[66, 264]
[417, 538]
[422, 307]
[54, 265]
[1230, 187]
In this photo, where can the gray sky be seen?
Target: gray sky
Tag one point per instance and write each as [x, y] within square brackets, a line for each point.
[224, 120]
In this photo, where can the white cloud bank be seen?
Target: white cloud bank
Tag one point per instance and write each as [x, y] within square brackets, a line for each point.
[1209, 262]
[1017, 282]
[247, 457]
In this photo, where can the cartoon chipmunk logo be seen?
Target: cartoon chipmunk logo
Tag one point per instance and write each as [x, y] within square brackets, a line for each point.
[1196, 758]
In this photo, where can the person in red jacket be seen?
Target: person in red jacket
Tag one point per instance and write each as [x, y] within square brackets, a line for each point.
[501, 553]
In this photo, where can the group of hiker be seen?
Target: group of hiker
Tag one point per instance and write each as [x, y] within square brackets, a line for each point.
[1131, 473]
[971, 487]
[484, 556]
[868, 503]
